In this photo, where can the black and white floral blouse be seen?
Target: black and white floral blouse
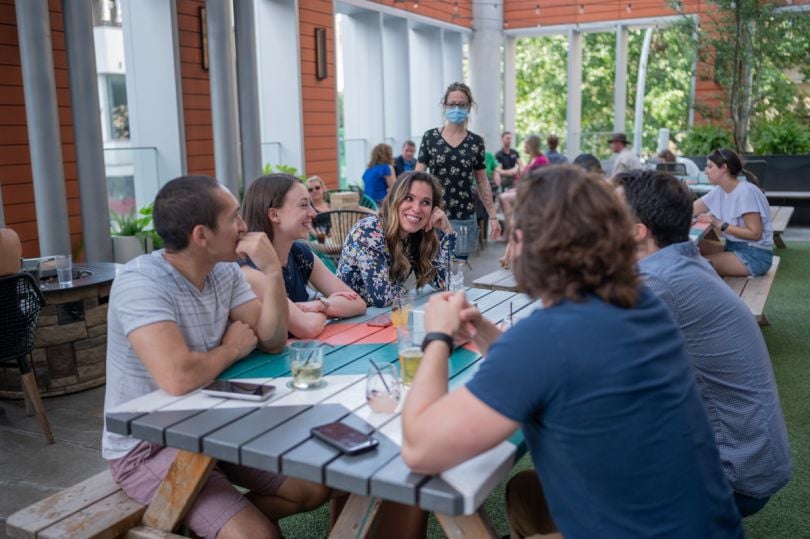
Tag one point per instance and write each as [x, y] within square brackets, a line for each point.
[455, 167]
[365, 262]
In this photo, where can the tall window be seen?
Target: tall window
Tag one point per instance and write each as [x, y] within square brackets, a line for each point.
[116, 104]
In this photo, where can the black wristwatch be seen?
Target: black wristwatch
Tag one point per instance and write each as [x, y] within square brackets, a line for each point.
[723, 227]
[438, 336]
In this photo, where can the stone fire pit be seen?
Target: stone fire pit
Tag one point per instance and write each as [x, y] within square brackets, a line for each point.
[70, 344]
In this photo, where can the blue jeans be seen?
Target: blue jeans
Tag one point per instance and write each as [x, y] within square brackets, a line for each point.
[757, 261]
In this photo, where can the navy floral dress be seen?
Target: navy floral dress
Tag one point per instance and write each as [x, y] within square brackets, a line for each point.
[365, 262]
[455, 168]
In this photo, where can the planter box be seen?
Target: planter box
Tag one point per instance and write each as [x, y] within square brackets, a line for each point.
[125, 248]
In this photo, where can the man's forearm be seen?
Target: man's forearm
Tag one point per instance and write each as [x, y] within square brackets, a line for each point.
[196, 369]
[271, 328]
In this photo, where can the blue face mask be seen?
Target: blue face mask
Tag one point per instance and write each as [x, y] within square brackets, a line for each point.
[456, 115]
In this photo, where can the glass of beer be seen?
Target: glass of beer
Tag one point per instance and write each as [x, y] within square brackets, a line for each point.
[410, 353]
[306, 364]
[383, 389]
[401, 308]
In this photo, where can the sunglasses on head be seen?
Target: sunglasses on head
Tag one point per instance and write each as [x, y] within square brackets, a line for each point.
[315, 188]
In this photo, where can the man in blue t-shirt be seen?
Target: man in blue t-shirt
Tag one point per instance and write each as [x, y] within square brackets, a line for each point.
[598, 380]
[727, 349]
[406, 161]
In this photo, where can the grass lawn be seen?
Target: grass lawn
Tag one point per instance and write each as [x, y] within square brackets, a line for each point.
[788, 337]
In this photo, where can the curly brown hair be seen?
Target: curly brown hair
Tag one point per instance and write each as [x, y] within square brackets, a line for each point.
[423, 246]
[576, 239]
[381, 154]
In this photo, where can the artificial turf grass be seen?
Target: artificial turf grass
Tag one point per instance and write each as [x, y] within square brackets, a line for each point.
[787, 515]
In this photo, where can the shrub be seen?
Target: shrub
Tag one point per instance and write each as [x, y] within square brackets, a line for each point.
[704, 139]
[784, 136]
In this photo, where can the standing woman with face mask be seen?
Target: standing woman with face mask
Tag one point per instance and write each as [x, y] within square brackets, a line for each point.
[456, 157]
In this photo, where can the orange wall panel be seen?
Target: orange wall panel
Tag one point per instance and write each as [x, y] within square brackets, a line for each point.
[196, 90]
[318, 97]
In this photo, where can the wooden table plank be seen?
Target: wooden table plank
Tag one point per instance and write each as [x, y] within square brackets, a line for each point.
[486, 281]
[189, 434]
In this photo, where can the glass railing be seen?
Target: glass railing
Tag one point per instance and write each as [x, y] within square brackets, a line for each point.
[271, 154]
[133, 178]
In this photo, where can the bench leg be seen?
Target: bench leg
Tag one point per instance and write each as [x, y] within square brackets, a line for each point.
[475, 525]
[356, 518]
[178, 491]
[779, 242]
[763, 320]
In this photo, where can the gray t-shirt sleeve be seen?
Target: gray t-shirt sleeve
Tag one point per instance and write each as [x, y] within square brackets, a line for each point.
[138, 302]
[242, 293]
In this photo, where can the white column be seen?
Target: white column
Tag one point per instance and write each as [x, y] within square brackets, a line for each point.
[620, 81]
[426, 83]
[396, 74]
[363, 87]
[574, 107]
[279, 72]
[485, 70]
[154, 97]
[452, 56]
[509, 84]
[638, 130]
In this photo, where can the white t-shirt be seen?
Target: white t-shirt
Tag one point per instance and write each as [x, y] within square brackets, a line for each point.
[730, 208]
[626, 160]
[150, 290]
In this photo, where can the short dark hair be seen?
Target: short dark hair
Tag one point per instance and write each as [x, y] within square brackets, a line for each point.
[505, 133]
[552, 142]
[577, 238]
[408, 143]
[660, 202]
[182, 204]
[589, 162]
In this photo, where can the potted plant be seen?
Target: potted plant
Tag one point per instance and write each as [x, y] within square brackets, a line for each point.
[130, 235]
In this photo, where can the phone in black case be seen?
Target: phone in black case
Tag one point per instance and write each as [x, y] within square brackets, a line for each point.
[345, 438]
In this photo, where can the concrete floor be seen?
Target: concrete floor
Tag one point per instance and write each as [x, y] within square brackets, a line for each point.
[31, 470]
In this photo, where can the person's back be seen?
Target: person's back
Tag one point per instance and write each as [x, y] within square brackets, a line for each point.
[733, 368]
[613, 420]
[731, 361]
[374, 183]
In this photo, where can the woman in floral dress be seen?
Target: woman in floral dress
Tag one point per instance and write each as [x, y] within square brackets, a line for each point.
[456, 157]
[411, 234]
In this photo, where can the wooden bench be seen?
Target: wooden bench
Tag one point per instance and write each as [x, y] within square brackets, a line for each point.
[780, 215]
[754, 291]
[502, 279]
[96, 508]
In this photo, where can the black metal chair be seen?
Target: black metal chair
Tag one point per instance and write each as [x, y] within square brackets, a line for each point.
[330, 243]
[21, 301]
[677, 169]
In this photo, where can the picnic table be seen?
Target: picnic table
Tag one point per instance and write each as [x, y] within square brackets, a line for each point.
[275, 435]
[504, 280]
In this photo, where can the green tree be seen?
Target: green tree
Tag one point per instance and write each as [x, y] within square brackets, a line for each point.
[751, 44]
[541, 96]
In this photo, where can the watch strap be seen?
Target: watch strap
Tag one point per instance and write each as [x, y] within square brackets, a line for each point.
[723, 227]
[438, 336]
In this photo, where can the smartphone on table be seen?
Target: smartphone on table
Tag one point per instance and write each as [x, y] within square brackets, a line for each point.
[345, 438]
[239, 390]
[380, 321]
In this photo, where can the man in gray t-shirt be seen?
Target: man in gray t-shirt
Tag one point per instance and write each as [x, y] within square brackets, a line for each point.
[177, 318]
[731, 360]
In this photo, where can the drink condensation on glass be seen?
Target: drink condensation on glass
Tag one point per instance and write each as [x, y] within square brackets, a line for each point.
[456, 277]
[383, 389]
[409, 360]
[306, 364]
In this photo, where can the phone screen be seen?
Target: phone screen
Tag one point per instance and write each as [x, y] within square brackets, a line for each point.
[344, 437]
[381, 321]
[245, 390]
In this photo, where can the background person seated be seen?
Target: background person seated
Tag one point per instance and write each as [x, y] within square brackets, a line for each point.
[406, 161]
[723, 339]
[279, 206]
[379, 174]
[10, 252]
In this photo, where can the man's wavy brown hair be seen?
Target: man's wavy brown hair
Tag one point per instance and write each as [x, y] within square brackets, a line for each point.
[423, 246]
[576, 239]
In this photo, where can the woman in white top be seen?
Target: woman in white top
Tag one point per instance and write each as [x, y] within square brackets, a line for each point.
[739, 211]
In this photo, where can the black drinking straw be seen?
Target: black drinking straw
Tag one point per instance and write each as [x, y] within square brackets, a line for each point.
[377, 368]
